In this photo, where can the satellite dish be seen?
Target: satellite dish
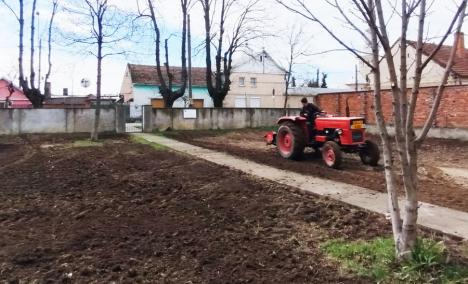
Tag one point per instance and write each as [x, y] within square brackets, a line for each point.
[85, 83]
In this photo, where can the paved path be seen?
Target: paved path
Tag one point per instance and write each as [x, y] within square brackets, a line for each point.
[443, 219]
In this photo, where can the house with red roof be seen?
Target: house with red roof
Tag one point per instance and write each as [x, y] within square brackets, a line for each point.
[11, 96]
[435, 69]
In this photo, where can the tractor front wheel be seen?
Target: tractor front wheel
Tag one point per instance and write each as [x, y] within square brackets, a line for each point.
[332, 155]
[370, 154]
[290, 141]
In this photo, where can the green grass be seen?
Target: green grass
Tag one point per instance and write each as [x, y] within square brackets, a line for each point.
[155, 146]
[428, 263]
[86, 143]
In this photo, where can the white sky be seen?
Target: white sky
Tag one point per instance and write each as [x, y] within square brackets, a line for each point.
[72, 63]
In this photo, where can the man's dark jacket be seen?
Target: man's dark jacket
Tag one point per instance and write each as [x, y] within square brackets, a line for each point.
[310, 111]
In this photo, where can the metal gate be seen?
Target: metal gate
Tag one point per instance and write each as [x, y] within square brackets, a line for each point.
[133, 118]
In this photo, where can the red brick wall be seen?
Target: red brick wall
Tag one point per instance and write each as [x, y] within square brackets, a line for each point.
[453, 111]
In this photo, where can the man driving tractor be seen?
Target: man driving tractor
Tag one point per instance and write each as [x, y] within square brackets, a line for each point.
[310, 111]
[329, 135]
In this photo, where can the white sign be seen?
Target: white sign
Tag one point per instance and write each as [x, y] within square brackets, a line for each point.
[190, 113]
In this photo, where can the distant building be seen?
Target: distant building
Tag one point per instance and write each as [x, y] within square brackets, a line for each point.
[77, 102]
[141, 84]
[17, 99]
[258, 81]
[435, 69]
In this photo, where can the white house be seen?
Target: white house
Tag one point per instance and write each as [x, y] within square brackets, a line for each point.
[434, 70]
[257, 81]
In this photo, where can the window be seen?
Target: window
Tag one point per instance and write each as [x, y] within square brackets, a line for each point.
[241, 81]
[255, 102]
[240, 102]
[253, 82]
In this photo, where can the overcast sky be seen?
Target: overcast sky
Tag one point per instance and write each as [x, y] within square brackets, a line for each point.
[71, 63]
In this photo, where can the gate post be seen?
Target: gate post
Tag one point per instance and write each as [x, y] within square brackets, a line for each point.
[120, 119]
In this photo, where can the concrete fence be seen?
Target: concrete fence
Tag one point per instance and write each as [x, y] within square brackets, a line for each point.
[28, 121]
[211, 118]
[25, 121]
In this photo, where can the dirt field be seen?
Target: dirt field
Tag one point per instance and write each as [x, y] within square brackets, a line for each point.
[436, 186]
[127, 213]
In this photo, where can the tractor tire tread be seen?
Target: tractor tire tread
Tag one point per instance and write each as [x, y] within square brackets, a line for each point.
[299, 140]
[337, 151]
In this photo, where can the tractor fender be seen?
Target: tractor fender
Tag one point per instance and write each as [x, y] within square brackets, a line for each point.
[291, 118]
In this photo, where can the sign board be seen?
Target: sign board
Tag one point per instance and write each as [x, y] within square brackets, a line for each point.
[190, 113]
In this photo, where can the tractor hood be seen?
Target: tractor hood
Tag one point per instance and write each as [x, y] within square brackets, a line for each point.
[291, 118]
[344, 118]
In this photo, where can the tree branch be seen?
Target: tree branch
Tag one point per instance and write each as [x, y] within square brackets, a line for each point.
[440, 90]
[11, 9]
[312, 17]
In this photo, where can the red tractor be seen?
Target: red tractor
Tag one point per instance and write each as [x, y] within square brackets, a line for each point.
[333, 135]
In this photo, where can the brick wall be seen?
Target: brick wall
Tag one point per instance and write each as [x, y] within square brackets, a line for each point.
[453, 111]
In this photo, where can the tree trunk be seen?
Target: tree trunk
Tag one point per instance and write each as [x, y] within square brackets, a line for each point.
[49, 43]
[32, 75]
[169, 99]
[166, 89]
[22, 81]
[390, 177]
[218, 101]
[97, 111]
[209, 72]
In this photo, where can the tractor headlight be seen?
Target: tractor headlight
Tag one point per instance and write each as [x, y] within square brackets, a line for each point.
[339, 131]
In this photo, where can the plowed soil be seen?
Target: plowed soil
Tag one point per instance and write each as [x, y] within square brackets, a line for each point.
[126, 213]
[435, 187]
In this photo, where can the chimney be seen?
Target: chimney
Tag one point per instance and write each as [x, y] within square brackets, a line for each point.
[461, 44]
[65, 92]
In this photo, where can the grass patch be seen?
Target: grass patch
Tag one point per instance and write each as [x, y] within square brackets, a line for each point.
[155, 146]
[86, 143]
[428, 263]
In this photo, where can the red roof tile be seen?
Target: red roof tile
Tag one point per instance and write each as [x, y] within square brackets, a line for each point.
[147, 75]
[17, 99]
[460, 67]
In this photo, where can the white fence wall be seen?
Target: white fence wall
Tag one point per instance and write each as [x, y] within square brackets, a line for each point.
[212, 118]
[25, 121]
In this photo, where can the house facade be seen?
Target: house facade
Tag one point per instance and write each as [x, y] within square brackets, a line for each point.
[257, 81]
[434, 71]
[17, 99]
[141, 84]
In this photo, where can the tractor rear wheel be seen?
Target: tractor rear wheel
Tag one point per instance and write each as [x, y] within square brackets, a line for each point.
[370, 154]
[290, 141]
[332, 155]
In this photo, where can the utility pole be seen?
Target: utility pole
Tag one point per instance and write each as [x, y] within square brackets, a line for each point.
[356, 79]
[190, 61]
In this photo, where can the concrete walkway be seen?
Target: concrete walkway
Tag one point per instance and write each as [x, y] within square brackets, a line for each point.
[446, 220]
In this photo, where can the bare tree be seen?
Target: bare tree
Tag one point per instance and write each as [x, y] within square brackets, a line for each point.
[49, 43]
[34, 95]
[298, 45]
[226, 44]
[105, 26]
[32, 76]
[373, 13]
[167, 82]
